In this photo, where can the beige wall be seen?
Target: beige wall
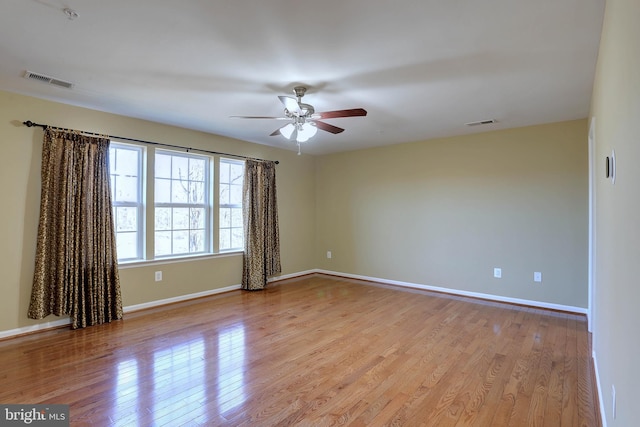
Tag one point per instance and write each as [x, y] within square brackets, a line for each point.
[616, 109]
[442, 212]
[445, 212]
[20, 172]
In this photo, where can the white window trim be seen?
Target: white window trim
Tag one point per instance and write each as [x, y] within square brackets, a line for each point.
[141, 223]
[225, 206]
[206, 205]
[147, 205]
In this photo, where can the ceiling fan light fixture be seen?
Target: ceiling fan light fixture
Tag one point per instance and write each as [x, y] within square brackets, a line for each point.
[307, 131]
[287, 130]
[303, 119]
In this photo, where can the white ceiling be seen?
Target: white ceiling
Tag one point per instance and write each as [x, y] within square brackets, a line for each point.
[421, 68]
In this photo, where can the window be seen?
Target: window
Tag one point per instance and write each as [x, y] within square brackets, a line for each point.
[183, 221]
[181, 204]
[230, 210]
[125, 166]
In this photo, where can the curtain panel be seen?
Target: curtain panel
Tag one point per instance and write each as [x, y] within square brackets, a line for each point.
[261, 258]
[76, 269]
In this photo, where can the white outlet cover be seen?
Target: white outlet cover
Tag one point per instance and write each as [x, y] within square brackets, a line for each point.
[537, 276]
[497, 273]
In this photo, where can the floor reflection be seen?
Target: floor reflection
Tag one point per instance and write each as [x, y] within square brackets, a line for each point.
[179, 386]
[126, 391]
[231, 359]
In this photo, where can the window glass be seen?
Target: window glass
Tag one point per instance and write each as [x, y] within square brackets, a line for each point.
[125, 168]
[183, 217]
[181, 204]
[231, 231]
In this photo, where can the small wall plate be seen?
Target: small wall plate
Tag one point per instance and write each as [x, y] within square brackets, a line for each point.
[612, 166]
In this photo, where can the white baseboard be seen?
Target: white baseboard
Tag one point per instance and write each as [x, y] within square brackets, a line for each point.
[292, 275]
[603, 415]
[491, 297]
[128, 309]
[35, 328]
[179, 298]
[132, 308]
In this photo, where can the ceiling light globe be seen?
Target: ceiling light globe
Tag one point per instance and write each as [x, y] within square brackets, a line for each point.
[306, 132]
[287, 130]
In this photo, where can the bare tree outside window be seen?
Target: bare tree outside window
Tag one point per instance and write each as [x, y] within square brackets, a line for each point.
[181, 204]
[230, 210]
[125, 165]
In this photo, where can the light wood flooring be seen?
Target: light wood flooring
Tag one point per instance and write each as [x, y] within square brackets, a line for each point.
[314, 351]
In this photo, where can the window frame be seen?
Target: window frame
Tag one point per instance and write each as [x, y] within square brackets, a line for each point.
[147, 204]
[139, 205]
[206, 204]
[221, 205]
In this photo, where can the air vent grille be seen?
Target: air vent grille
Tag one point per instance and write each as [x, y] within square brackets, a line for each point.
[481, 122]
[47, 79]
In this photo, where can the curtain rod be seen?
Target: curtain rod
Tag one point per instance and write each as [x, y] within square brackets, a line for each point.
[30, 124]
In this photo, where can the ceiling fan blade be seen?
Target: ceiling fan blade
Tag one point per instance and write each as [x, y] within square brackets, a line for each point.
[259, 117]
[327, 127]
[277, 131]
[354, 112]
[290, 104]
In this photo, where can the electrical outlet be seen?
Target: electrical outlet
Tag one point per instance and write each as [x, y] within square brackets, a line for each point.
[158, 276]
[328, 254]
[497, 273]
[537, 276]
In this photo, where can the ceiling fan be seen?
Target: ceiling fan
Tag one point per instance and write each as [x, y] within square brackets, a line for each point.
[304, 122]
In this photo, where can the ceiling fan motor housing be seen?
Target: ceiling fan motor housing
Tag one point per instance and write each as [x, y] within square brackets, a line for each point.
[299, 91]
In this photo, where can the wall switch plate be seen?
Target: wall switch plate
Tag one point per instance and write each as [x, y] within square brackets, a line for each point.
[497, 273]
[328, 254]
[158, 276]
[537, 276]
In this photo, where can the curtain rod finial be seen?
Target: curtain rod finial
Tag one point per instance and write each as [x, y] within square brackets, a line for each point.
[28, 123]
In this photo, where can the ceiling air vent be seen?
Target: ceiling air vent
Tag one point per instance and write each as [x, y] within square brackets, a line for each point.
[481, 122]
[47, 79]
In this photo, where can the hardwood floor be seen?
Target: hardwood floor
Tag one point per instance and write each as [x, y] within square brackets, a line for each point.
[314, 351]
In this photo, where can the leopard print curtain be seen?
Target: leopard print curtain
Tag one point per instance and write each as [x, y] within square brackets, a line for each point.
[260, 211]
[76, 271]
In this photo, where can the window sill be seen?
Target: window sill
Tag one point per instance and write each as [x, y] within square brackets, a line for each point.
[187, 258]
